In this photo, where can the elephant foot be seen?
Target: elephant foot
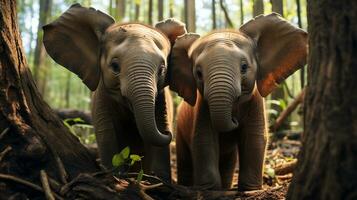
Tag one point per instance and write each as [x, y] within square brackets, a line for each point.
[246, 187]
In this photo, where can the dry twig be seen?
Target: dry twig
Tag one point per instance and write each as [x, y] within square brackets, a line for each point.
[3, 133]
[46, 186]
[3, 153]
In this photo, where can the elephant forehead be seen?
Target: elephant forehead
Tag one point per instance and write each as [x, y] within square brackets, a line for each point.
[222, 42]
[137, 32]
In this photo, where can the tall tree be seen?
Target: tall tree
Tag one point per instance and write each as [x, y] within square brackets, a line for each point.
[241, 12]
[32, 137]
[258, 7]
[327, 162]
[190, 15]
[150, 12]
[214, 22]
[39, 54]
[277, 6]
[137, 9]
[160, 7]
[119, 13]
[171, 8]
[226, 15]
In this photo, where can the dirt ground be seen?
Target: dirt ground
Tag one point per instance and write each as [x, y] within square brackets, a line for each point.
[280, 153]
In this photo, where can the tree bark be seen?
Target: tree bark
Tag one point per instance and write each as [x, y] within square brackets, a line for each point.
[119, 10]
[171, 8]
[190, 15]
[150, 12]
[32, 136]
[160, 7]
[277, 6]
[258, 7]
[327, 162]
[214, 24]
[241, 12]
[137, 10]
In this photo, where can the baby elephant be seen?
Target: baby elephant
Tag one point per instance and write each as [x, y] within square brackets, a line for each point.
[126, 66]
[223, 79]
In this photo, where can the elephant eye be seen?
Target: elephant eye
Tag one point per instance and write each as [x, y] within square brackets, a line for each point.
[162, 70]
[243, 67]
[199, 74]
[114, 65]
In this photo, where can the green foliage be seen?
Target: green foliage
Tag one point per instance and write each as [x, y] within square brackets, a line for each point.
[120, 158]
[124, 158]
[84, 132]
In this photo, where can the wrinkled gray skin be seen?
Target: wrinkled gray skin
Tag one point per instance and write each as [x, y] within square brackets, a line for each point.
[231, 71]
[126, 66]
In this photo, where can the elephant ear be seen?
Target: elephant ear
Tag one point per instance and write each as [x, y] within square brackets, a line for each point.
[281, 49]
[172, 28]
[73, 41]
[181, 78]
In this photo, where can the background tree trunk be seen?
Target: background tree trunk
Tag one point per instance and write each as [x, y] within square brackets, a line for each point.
[241, 12]
[258, 7]
[150, 12]
[277, 6]
[160, 7]
[32, 137]
[137, 10]
[119, 10]
[40, 71]
[327, 162]
[190, 15]
[214, 24]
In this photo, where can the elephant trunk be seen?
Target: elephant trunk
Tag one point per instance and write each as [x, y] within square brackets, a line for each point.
[141, 93]
[221, 94]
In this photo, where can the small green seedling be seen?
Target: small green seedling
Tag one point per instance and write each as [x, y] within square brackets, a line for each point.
[124, 158]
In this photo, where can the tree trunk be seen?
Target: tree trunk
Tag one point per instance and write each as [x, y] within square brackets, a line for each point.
[190, 15]
[214, 24]
[226, 15]
[119, 10]
[258, 7]
[32, 137]
[160, 6]
[171, 8]
[137, 10]
[241, 12]
[327, 162]
[277, 6]
[39, 54]
[150, 12]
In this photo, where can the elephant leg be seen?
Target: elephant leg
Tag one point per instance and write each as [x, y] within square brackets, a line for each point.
[184, 160]
[252, 145]
[205, 152]
[105, 132]
[157, 159]
[227, 164]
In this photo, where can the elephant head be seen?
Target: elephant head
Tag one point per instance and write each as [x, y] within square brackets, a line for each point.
[226, 66]
[128, 60]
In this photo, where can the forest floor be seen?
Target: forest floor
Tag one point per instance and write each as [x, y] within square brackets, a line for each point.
[279, 164]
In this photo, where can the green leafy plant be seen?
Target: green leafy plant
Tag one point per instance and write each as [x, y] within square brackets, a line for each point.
[124, 160]
[84, 132]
